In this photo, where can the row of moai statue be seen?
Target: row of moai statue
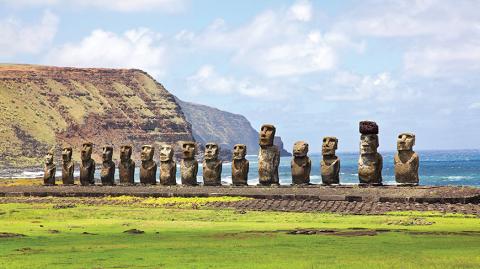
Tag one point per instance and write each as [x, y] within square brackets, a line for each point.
[370, 163]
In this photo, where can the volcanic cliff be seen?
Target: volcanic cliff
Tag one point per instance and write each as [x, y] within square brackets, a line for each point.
[42, 107]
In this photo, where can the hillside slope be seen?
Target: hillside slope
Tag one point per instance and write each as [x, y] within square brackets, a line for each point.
[227, 129]
[41, 107]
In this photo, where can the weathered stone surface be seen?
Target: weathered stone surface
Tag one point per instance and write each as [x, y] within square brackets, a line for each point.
[406, 161]
[49, 169]
[68, 166]
[168, 166]
[212, 166]
[301, 164]
[148, 169]
[87, 166]
[330, 164]
[240, 165]
[107, 175]
[268, 157]
[189, 165]
[126, 168]
[370, 163]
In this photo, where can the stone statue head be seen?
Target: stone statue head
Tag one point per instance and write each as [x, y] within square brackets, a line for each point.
[166, 153]
[107, 153]
[67, 154]
[300, 149]
[239, 151]
[368, 143]
[405, 141]
[147, 153]
[189, 149]
[329, 145]
[267, 134]
[86, 153]
[125, 153]
[211, 151]
[49, 157]
[369, 138]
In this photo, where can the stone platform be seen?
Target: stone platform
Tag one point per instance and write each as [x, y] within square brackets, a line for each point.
[378, 194]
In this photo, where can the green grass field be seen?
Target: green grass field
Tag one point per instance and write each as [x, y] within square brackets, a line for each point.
[93, 237]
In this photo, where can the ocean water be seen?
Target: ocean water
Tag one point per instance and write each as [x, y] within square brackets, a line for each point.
[442, 167]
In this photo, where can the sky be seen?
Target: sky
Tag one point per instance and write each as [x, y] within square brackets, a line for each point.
[311, 68]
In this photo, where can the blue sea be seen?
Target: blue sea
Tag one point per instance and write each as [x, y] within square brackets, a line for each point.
[439, 167]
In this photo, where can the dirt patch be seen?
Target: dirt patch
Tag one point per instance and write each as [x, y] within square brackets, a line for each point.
[63, 206]
[134, 231]
[87, 233]
[10, 235]
[358, 232]
[54, 231]
[411, 222]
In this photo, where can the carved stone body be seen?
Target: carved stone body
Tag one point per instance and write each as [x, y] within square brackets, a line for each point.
[301, 164]
[49, 169]
[240, 165]
[406, 161]
[148, 169]
[107, 175]
[212, 166]
[87, 166]
[168, 167]
[330, 164]
[370, 163]
[268, 157]
[126, 167]
[189, 165]
[67, 166]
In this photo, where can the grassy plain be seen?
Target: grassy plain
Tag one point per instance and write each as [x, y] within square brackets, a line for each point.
[93, 236]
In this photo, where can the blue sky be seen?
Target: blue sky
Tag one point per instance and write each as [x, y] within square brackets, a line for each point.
[312, 68]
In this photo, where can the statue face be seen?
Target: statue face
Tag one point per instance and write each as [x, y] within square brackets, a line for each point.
[147, 153]
[166, 153]
[368, 143]
[49, 158]
[67, 154]
[239, 151]
[189, 150]
[125, 153]
[107, 153]
[405, 141]
[211, 151]
[300, 149]
[86, 153]
[267, 134]
[329, 145]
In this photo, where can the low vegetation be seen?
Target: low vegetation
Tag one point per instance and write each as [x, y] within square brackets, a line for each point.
[48, 235]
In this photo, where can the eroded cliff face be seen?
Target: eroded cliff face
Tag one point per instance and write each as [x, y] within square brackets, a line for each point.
[42, 107]
[224, 128]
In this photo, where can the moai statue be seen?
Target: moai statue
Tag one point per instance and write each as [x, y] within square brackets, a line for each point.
[148, 169]
[49, 170]
[108, 167]
[268, 157]
[168, 166]
[189, 165]
[68, 166]
[406, 160]
[240, 165]
[126, 168]
[301, 164]
[370, 162]
[330, 164]
[212, 166]
[87, 166]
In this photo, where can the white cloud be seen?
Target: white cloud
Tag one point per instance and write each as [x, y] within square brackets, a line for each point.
[17, 37]
[475, 105]
[136, 48]
[206, 79]
[301, 11]
[115, 5]
[275, 43]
